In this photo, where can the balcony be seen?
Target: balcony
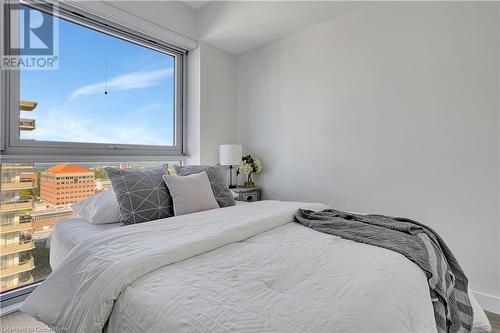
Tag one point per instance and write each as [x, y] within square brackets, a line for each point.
[23, 266]
[22, 184]
[24, 278]
[26, 124]
[25, 105]
[23, 245]
[16, 166]
[24, 224]
[15, 206]
[24, 219]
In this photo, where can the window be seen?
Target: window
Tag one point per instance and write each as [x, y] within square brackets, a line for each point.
[117, 95]
[115, 92]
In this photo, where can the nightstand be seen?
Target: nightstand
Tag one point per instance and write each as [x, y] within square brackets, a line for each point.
[248, 194]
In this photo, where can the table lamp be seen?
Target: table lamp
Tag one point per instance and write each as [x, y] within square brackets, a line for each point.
[230, 155]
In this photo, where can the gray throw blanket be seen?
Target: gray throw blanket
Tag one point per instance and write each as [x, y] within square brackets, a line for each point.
[417, 242]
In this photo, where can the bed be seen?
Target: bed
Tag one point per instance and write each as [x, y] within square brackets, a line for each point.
[241, 268]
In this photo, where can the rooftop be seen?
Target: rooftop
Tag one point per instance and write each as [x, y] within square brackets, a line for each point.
[67, 168]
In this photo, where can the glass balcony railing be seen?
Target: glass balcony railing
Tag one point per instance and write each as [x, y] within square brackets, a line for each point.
[15, 206]
[23, 266]
[26, 124]
[17, 166]
[23, 279]
[24, 223]
[23, 184]
[23, 245]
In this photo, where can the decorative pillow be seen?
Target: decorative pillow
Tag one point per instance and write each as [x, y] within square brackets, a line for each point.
[191, 194]
[100, 208]
[141, 194]
[217, 181]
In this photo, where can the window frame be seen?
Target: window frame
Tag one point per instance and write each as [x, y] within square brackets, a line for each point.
[15, 296]
[118, 23]
[19, 150]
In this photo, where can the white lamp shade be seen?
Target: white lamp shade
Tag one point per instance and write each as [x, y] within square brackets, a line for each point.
[230, 154]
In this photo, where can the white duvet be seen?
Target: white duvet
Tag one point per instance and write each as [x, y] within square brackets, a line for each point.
[246, 268]
[71, 231]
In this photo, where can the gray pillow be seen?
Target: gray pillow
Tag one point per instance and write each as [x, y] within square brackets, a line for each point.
[191, 194]
[141, 194]
[217, 181]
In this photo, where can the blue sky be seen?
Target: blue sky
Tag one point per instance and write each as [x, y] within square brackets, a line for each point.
[72, 106]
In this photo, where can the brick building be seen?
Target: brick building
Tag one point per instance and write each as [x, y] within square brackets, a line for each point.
[42, 222]
[65, 184]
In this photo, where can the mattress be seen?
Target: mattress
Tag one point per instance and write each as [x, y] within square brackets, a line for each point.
[71, 231]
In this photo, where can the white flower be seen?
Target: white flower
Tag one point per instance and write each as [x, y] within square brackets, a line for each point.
[246, 168]
[171, 169]
[258, 164]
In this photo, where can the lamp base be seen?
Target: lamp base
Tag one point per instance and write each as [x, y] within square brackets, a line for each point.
[230, 183]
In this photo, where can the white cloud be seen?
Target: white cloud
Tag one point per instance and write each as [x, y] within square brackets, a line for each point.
[133, 128]
[135, 80]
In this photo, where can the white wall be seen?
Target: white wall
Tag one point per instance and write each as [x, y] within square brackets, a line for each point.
[392, 108]
[217, 101]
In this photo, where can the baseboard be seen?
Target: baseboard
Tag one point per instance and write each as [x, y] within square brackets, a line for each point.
[488, 302]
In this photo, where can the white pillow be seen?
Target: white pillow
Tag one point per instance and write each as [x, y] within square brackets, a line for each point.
[101, 208]
[192, 193]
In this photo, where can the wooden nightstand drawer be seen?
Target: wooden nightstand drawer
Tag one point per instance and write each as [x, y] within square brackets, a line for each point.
[252, 196]
[247, 194]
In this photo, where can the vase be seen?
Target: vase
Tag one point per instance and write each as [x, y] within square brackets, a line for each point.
[249, 182]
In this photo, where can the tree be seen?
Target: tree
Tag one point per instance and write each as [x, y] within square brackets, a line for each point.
[42, 266]
[30, 193]
[100, 174]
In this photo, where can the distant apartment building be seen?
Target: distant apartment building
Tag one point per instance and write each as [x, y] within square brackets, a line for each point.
[102, 185]
[44, 221]
[16, 203]
[65, 184]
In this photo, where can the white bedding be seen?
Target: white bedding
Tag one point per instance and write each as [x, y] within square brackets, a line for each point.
[242, 268]
[289, 279]
[69, 232]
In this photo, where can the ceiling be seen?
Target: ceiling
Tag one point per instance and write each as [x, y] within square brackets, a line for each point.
[238, 26]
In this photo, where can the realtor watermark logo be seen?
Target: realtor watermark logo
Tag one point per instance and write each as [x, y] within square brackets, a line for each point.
[32, 41]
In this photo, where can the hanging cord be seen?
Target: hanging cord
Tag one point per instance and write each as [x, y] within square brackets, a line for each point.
[106, 67]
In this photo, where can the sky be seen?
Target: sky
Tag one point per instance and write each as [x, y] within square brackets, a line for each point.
[72, 105]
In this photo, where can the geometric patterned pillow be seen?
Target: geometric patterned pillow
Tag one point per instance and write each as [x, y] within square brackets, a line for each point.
[217, 181]
[142, 194]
